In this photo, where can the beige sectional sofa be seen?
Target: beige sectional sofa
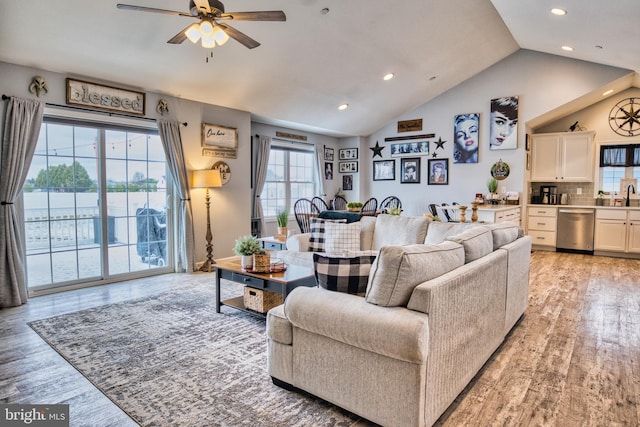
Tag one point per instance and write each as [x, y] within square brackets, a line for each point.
[432, 316]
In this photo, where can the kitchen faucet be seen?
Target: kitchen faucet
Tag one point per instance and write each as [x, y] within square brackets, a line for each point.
[633, 189]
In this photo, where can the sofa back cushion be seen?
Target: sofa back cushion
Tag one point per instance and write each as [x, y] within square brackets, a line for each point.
[399, 269]
[316, 241]
[341, 238]
[438, 231]
[343, 274]
[503, 233]
[392, 230]
[367, 227]
[477, 242]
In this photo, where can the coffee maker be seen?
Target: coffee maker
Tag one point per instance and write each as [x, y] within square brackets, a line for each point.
[549, 195]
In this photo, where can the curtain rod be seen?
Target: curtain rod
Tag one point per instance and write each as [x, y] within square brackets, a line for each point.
[70, 107]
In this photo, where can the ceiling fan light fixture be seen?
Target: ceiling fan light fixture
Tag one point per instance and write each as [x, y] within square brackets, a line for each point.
[220, 36]
[208, 42]
[193, 33]
[206, 27]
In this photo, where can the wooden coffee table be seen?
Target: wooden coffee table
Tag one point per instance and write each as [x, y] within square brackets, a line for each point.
[282, 282]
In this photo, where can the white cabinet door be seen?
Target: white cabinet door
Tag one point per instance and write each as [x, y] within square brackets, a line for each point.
[634, 237]
[545, 157]
[577, 155]
[610, 235]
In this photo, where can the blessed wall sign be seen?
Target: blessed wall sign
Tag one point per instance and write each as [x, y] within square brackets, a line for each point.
[108, 98]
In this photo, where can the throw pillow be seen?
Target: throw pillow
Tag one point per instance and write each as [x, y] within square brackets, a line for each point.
[341, 238]
[349, 275]
[317, 239]
[394, 230]
[477, 242]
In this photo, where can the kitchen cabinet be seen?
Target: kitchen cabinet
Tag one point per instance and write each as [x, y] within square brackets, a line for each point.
[541, 225]
[617, 230]
[498, 214]
[562, 157]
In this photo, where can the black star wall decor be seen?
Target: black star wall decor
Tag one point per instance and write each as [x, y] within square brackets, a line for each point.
[377, 150]
[439, 143]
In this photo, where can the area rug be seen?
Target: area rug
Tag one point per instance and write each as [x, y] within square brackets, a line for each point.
[169, 359]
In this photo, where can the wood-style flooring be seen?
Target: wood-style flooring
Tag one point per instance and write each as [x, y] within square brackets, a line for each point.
[572, 360]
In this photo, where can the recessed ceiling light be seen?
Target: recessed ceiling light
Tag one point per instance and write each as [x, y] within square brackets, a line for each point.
[343, 107]
[388, 76]
[558, 11]
[609, 92]
[432, 78]
[567, 48]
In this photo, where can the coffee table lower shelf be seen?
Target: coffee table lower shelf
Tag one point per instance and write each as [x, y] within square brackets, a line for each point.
[238, 304]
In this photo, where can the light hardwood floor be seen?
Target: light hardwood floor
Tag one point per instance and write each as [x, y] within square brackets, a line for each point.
[572, 360]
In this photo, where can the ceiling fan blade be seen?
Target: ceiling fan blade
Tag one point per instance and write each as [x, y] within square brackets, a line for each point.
[239, 36]
[152, 9]
[180, 37]
[267, 15]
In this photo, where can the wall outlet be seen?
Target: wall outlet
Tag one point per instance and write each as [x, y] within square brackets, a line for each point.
[578, 191]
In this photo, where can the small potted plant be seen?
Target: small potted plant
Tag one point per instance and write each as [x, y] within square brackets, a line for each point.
[246, 246]
[492, 186]
[282, 218]
[354, 206]
[600, 199]
[394, 210]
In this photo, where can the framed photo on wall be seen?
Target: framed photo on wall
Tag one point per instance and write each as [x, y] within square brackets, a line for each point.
[328, 154]
[414, 148]
[504, 124]
[347, 167]
[328, 171]
[384, 170]
[347, 153]
[438, 171]
[465, 138]
[410, 170]
[347, 182]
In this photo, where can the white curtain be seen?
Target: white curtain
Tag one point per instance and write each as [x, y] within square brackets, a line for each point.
[172, 143]
[262, 162]
[319, 171]
[23, 118]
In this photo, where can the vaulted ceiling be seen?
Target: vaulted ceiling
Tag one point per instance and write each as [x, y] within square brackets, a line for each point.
[316, 60]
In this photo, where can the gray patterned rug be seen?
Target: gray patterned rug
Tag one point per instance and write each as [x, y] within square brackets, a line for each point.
[169, 359]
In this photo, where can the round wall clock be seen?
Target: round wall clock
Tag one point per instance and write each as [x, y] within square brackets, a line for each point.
[624, 118]
[225, 171]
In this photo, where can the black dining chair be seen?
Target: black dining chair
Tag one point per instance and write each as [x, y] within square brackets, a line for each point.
[445, 211]
[370, 207]
[390, 202]
[320, 204]
[339, 203]
[304, 210]
[433, 208]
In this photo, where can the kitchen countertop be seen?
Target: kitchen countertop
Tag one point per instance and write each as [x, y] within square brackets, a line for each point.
[635, 208]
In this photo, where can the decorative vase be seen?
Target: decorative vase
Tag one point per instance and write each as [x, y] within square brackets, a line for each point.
[247, 262]
[463, 217]
[474, 211]
[282, 234]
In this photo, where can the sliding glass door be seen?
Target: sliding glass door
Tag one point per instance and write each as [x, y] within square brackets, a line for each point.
[95, 205]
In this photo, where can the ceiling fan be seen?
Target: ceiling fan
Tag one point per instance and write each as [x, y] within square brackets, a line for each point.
[209, 28]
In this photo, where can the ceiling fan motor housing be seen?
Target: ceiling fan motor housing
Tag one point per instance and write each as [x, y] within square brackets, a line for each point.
[216, 8]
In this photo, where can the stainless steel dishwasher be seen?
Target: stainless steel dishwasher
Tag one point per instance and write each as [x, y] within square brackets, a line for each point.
[575, 229]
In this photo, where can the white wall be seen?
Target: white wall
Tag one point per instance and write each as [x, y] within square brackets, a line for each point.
[542, 82]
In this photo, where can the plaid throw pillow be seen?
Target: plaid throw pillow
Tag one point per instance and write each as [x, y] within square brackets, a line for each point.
[341, 238]
[349, 275]
[317, 239]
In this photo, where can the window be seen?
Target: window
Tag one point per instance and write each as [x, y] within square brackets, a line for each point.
[618, 162]
[290, 176]
[94, 204]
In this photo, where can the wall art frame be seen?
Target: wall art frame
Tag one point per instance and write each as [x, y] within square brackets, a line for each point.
[410, 170]
[347, 182]
[410, 149]
[328, 154]
[384, 170]
[348, 167]
[348, 154]
[107, 98]
[438, 172]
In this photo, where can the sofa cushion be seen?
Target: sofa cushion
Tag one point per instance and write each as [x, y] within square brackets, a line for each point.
[438, 231]
[503, 233]
[367, 227]
[316, 241]
[343, 274]
[341, 238]
[393, 230]
[477, 242]
[399, 269]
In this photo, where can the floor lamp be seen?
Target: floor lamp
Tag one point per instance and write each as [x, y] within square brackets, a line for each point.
[208, 178]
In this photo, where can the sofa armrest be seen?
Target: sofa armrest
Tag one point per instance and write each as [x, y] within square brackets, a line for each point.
[395, 332]
[298, 242]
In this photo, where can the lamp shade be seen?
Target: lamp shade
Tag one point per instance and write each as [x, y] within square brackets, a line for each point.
[207, 178]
